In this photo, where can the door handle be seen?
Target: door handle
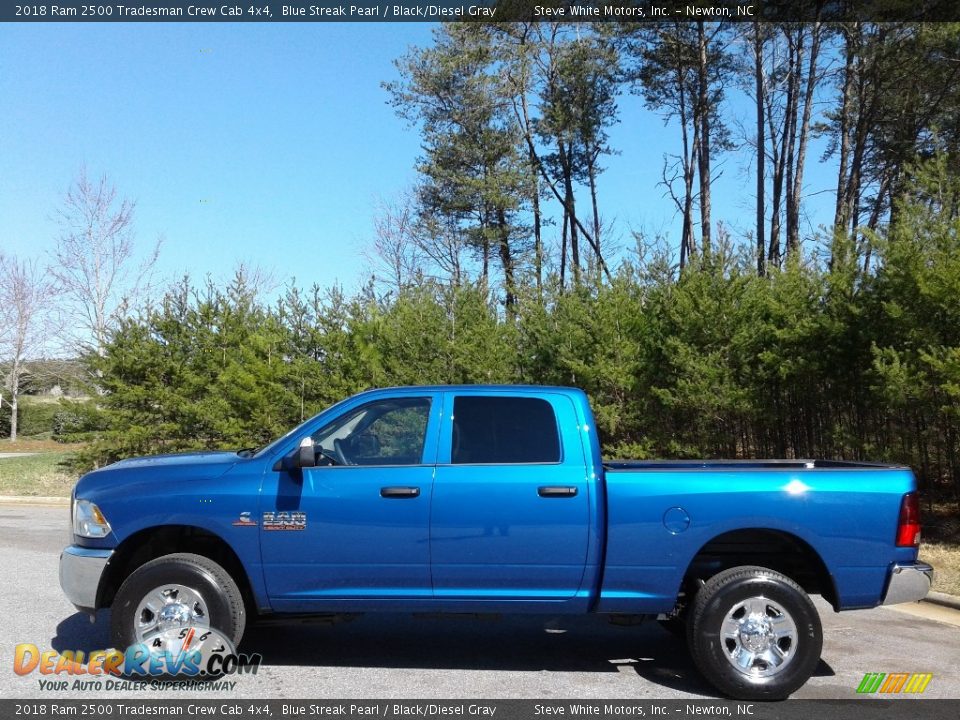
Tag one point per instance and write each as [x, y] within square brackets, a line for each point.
[399, 492]
[556, 491]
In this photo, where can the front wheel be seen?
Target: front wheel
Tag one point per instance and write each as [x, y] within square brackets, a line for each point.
[173, 599]
[754, 634]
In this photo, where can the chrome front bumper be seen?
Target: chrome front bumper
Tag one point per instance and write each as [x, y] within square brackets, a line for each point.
[908, 583]
[80, 572]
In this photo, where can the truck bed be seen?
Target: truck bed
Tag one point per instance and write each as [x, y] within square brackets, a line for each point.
[662, 513]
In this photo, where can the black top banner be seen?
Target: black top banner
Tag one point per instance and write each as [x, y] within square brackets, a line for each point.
[632, 11]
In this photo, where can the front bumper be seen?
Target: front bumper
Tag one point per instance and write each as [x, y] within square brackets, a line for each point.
[908, 583]
[80, 572]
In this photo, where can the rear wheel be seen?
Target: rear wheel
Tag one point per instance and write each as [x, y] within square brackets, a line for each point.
[754, 633]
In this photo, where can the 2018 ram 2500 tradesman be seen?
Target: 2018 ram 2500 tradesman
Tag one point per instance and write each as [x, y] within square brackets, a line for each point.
[494, 499]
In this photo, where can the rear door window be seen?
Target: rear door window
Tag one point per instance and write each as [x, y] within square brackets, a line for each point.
[490, 429]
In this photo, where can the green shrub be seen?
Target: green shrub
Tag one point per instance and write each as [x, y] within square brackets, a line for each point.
[77, 421]
[35, 417]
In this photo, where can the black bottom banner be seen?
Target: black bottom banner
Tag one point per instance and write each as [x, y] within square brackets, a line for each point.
[248, 709]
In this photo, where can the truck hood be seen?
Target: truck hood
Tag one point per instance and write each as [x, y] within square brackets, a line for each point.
[172, 460]
[120, 476]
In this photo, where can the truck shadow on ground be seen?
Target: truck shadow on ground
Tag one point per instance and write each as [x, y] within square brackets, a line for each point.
[512, 643]
[78, 633]
[515, 643]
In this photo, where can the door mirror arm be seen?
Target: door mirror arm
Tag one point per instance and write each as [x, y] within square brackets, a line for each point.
[303, 457]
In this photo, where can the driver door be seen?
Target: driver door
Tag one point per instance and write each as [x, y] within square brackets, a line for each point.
[364, 508]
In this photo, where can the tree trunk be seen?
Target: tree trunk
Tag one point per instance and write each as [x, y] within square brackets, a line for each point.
[793, 226]
[686, 236]
[537, 237]
[535, 198]
[703, 101]
[874, 220]
[563, 249]
[13, 418]
[840, 213]
[790, 124]
[761, 145]
[866, 112]
[592, 176]
[506, 260]
[485, 273]
[570, 205]
[776, 187]
[14, 403]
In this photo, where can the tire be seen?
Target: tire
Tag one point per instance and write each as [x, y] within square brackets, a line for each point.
[213, 596]
[754, 634]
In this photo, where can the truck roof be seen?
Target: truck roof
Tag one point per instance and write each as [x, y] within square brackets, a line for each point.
[493, 388]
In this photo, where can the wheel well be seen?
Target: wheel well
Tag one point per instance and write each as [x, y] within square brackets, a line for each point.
[774, 549]
[151, 543]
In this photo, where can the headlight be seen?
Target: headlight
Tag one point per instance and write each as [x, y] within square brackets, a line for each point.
[88, 521]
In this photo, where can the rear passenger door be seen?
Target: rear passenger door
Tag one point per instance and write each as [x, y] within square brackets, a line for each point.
[510, 515]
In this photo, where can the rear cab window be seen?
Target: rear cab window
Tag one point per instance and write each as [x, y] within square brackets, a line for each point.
[491, 429]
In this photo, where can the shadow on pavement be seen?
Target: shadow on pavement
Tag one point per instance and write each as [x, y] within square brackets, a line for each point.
[823, 670]
[78, 633]
[514, 643]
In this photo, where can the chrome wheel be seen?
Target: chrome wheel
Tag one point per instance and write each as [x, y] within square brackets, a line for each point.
[165, 611]
[759, 636]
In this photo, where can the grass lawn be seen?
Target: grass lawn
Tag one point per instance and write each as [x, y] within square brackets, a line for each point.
[941, 544]
[35, 474]
[36, 443]
[945, 559]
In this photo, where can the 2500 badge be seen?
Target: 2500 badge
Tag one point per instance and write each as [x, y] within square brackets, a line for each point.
[284, 521]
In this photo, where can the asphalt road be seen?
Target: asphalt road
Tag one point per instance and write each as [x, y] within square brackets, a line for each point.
[399, 656]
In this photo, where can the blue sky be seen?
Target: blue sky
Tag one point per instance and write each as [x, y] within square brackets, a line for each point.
[264, 144]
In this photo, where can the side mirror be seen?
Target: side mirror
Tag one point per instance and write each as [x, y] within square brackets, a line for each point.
[306, 457]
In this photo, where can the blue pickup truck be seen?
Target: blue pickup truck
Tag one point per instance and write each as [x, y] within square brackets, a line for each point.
[495, 499]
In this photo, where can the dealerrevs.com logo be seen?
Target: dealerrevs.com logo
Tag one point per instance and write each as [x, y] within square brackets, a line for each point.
[195, 657]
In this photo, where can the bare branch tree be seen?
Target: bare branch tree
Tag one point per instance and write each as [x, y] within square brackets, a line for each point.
[254, 280]
[95, 260]
[445, 247]
[395, 251]
[28, 301]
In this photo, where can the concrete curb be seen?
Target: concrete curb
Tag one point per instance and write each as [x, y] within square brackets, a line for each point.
[943, 599]
[34, 500]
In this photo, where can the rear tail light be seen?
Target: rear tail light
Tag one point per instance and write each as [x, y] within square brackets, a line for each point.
[908, 526]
